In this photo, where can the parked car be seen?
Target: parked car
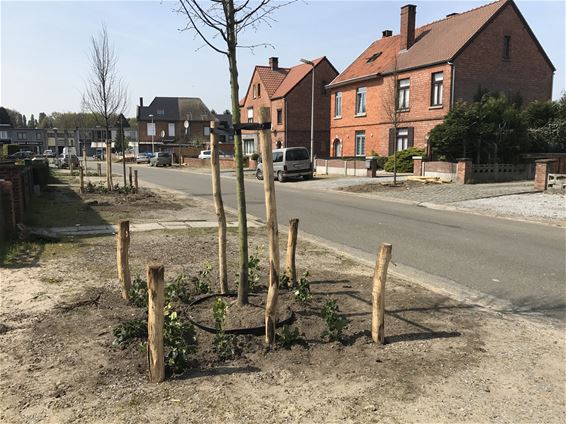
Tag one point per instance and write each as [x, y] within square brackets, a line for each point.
[161, 159]
[143, 157]
[207, 154]
[288, 163]
[63, 161]
[21, 155]
[49, 154]
[99, 155]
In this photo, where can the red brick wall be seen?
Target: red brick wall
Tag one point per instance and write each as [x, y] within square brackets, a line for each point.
[482, 63]
[9, 207]
[21, 180]
[378, 119]
[205, 163]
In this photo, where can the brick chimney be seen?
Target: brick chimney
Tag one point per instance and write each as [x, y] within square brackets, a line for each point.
[408, 15]
[274, 63]
[387, 33]
[141, 101]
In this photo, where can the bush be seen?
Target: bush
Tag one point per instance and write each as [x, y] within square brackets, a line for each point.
[404, 160]
[335, 322]
[254, 157]
[381, 160]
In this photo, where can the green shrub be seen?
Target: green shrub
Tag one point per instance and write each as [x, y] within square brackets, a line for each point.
[335, 322]
[289, 337]
[138, 292]
[202, 282]
[179, 338]
[223, 343]
[178, 290]
[404, 160]
[130, 330]
[302, 289]
[254, 157]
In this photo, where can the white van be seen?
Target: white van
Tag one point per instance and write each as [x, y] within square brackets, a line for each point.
[288, 163]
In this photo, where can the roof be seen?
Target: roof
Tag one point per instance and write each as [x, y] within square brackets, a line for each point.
[175, 109]
[436, 42]
[279, 82]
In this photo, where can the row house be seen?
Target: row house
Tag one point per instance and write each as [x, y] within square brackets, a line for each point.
[31, 139]
[161, 125]
[287, 93]
[403, 85]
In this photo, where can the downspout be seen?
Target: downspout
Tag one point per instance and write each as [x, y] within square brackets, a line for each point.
[452, 79]
[285, 111]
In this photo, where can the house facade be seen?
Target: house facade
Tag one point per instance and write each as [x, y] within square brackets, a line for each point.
[403, 85]
[32, 139]
[161, 125]
[286, 93]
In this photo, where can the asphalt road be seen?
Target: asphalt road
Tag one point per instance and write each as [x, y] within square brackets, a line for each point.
[522, 263]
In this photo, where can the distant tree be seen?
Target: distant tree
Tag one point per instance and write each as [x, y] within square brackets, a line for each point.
[105, 93]
[133, 122]
[5, 116]
[43, 121]
[547, 125]
[24, 122]
[15, 117]
[31, 122]
[226, 112]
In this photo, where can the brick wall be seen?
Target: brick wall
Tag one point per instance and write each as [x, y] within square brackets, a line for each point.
[205, 163]
[22, 186]
[8, 209]
[482, 64]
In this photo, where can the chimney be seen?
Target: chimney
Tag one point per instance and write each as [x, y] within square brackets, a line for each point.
[386, 33]
[451, 14]
[408, 14]
[274, 63]
[141, 101]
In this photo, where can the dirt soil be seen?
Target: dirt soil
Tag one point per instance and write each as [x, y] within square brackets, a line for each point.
[443, 361]
[384, 187]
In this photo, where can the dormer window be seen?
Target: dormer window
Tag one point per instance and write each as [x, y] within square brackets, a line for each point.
[161, 112]
[373, 57]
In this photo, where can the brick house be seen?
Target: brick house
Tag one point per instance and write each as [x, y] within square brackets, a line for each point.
[415, 77]
[287, 93]
[168, 114]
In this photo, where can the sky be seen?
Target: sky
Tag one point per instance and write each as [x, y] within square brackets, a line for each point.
[44, 46]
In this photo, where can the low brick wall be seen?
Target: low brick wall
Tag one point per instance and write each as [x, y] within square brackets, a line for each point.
[342, 167]
[446, 171]
[227, 163]
[7, 204]
[21, 178]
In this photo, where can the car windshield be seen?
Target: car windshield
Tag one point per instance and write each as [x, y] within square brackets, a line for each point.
[297, 154]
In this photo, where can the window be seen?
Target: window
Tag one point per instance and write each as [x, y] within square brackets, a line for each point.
[250, 115]
[161, 111]
[338, 105]
[38, 136]
[373, 57]
[150, 128]
[361, 101]
[249, 146]
[436, 93]
[360, 143]
[206, 131]
[171, 129]
[254, 92]
[297, 154]
[403, 94]
[402, 139]
[279, 116]
[259, 90]
[3, 135]
[21, 136]
[506, 47]
[277, 157]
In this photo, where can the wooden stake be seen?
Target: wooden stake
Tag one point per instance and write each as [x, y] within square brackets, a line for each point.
[99, 169]
[290, 269]
[82, 179]
[130, 177]
[155, 305]
[378, 294]
[272, 228]
[122, 252]
[136, 180]
[219, 208]
[84, 159]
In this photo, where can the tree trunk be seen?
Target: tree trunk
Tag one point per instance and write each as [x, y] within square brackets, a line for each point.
[378, 294]
[290, 267]
[219, 208]
[109, 183]
[124, 164]
[122, 252]
[243, 287]
[155, 323]
[272, 228]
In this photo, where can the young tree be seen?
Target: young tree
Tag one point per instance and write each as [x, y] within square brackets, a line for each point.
[218, 24]
[105, 93]
[121, 142]
[392, 109]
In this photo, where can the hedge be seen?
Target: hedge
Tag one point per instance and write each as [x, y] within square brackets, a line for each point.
[404, 160]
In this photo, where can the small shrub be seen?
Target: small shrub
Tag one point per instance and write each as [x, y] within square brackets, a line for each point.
[335, 323]
[302, 289]
[381, 160]
[289, 337]
[138, 292]
[124, 189]
[178, 290]
[130, 330]
[223, 343]
[254, 156]
[202, 282]
[179, 339]
[284, 281]
[404, 160]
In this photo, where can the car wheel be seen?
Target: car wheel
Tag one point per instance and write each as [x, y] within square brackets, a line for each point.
[259, 174]
[280, 177]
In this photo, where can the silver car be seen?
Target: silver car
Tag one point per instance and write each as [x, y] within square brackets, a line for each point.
[288, 163]
[161, 159]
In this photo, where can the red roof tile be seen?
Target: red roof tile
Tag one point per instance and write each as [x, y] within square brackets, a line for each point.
[436, 42]
[294, 76]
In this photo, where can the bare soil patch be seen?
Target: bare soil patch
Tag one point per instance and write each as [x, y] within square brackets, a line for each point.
[443, 361]
[385, 187]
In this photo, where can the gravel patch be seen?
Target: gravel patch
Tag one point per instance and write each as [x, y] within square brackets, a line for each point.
[545, 206]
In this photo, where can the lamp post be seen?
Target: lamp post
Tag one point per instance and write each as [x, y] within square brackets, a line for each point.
[308, 62]
[186, 125]
[152, 134]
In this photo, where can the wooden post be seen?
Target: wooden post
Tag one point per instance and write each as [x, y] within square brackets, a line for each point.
[82, 179]
[99, 169]
[136, 180]
[272, 228]
[290, 268]
[219, 208]
[84, 159]
[378, 294]
[130, 177]
[155, 318]
[122, 251]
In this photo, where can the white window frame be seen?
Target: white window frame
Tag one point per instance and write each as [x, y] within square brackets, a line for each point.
[206, 131]
[437, 88]
[151, 129]
[4, 135]
[402, 139]
[250, 115]
[171, 129]
[361, 101]
[403, 94]
[338, 105]
[360, 143]
[249, 146]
